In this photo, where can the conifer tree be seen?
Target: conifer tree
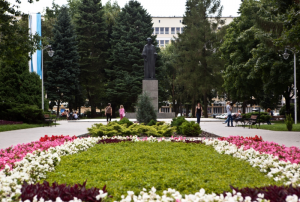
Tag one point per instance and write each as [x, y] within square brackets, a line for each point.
[92, 37]
[63, 70]
[146, 111]
[126, 65]
[197, 65]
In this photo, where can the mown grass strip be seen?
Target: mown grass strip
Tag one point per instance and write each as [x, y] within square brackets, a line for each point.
[133, 166]
[4, 128]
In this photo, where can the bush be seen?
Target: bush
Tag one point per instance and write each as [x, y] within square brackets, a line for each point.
[263, 118]
[151, 123]
[125, 121]
[289, 122]
[21, 112]
[146, 110]
[116, 129]
[190, 129]
[177, 122]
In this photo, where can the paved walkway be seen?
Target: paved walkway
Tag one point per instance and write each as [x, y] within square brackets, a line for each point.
[71, 128]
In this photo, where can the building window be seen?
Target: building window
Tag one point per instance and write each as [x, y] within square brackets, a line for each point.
[166, 30]
[180, 21]
[161, 43]
[156, 30]
[159, 21]
[167, 42]
[153, 30]
[157, 41]
[162, 30]
[172, 30]
[177, 30]
[182, 28]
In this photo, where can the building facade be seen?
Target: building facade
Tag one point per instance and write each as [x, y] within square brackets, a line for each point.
[166, 28]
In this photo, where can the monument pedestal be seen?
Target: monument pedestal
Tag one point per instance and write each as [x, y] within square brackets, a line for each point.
[151, 87]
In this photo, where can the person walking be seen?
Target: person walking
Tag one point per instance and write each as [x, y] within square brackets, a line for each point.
[198, 112]
[108, 112]
[229, 109]
[121, 112]
[270, 112]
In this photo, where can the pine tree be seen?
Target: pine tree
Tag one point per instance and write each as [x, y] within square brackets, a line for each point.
[92, 37]
[146, 111]
[63, 70]
[197, 65]
[126, 65]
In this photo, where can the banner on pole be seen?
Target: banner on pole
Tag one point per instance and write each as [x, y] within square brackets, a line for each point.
[35, 27]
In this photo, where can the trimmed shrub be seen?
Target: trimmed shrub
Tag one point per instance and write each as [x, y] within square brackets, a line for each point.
[151, 123]
[190, 129]
[178, 121]
[289, 122]
[146, 111]
[263, 118]
[21, 112]
[125, 121]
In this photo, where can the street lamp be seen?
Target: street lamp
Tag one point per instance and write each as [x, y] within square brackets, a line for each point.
[286, 56]
[50, 53]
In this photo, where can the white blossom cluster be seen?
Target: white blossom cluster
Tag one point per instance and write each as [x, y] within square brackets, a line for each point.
[171, 195]
[287, 172]
[35, 165]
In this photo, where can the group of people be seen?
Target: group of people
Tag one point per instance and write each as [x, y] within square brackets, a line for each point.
[108, 112]
[70, 115]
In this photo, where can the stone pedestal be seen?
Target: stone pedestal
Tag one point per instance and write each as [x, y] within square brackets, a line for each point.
[151, 87]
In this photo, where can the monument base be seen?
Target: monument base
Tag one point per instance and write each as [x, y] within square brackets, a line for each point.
[151, 87]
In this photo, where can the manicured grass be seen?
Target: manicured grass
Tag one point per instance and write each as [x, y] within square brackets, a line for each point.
[20, 126]
[133, 166]
[279, 127]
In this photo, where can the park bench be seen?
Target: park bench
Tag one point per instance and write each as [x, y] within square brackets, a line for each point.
[278, 118]
[241, 120]
[48, 119]
[252, 121]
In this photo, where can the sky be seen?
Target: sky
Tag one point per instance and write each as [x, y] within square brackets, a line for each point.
[154, 7]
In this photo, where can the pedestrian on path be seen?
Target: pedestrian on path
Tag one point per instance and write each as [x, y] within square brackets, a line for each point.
[229, 109]
[108, 112]
[198, 112]
[121, 112]
[270, 112]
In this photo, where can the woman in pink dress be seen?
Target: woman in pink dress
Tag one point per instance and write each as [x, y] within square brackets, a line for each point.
[121, 112]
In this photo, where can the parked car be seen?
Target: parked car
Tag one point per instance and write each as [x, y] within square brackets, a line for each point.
[222, 116]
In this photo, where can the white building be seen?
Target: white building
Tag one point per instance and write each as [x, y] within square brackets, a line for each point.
[166, 28]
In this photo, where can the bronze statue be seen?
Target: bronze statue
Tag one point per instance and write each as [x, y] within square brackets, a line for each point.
[149, 54]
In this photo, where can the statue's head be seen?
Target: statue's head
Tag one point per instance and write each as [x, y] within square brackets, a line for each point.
[149, 40]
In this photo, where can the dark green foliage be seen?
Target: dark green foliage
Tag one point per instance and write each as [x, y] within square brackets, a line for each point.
[63, 70]
[20, 112]
[133, 166]
[190, 129]
[92, 47]
[116, 129]
[126, 66]
[146, 111]
[289, 122]
[178, 121]
[125, 120]
[263, 118]
[151, 123]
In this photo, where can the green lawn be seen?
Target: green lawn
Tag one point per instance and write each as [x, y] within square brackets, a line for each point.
[132, 166]
[20, 126]
[279, 127]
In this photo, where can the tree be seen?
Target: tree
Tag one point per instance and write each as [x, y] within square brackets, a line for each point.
[126, 65]
[146, 111]
[197, 65]
[16, 83]
[92, 37]
[63, 70]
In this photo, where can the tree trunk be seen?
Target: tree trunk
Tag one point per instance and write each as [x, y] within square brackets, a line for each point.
[193, 107]
[58, 105]
[113, 110]
[205, 105]
[187, 110]
[287, 104]
[93, 110]
[244, 107]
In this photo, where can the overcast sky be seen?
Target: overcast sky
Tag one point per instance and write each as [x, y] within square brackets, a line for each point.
[154, 7]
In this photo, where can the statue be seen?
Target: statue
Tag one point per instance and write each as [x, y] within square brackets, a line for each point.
[149, 54]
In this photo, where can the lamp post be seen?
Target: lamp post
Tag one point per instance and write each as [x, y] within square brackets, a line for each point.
[50, 53]
[286, 56]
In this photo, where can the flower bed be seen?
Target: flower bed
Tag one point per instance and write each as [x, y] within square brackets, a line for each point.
[34, 166]
[14, 154]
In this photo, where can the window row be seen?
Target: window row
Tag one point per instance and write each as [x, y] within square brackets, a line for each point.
[162, 43]
[166, 30]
